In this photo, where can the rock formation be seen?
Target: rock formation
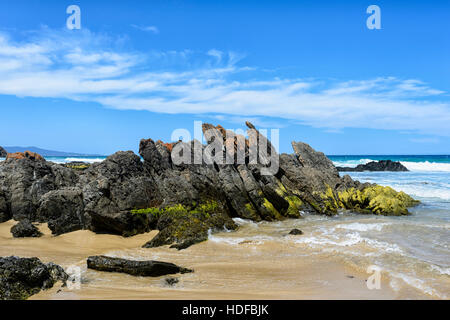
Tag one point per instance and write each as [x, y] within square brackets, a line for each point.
[382, 165]
[3, 153]
[186, 200]
[20, 278]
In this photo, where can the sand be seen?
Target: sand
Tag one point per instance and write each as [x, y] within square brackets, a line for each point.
[222, 270]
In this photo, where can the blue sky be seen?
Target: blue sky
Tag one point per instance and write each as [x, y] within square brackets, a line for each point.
[140, 69]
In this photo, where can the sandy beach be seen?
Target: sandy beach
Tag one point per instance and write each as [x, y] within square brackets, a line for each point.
[222, 270]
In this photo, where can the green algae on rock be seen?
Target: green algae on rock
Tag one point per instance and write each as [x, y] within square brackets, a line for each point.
[377, 200]
[182, 227]
[371, 199]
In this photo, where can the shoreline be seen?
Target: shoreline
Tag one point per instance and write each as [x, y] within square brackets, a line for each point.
[220, 272]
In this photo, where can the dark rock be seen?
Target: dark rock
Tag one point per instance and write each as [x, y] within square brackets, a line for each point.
[21, 278]
[3, 153]
[117, 184]
[63, 210]
[25, 229]
[171, 281]
[135, 268]
[24, 182]
[296, 232]
[5, 213]
[123, 223]
[382, 165]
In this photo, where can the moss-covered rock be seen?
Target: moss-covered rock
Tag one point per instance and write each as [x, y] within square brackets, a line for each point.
[21, 278]
[381, 200]
[373, 199]
[183, 226]
[377, 200]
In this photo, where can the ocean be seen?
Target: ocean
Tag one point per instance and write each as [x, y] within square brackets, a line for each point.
[413, 251]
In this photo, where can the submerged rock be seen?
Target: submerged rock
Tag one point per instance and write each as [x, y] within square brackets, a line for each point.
[382, 165]
[171, 281]
[135, 268]
[296, 232]
[25, 229]
[21, 278]
[77, 165]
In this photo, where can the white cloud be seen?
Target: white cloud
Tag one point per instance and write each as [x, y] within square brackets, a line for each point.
[152, 29]
[92, 67]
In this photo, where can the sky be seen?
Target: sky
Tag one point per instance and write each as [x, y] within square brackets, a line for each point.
[142, 69]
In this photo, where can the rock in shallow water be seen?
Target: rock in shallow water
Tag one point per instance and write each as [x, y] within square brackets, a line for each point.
[25, 229]
[296, 232]
[135, 268]
[20, 278]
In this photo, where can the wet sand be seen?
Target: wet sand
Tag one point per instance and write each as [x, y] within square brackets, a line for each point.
[222, 270]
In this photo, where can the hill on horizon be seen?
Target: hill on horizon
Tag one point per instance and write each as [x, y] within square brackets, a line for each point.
[49, 153]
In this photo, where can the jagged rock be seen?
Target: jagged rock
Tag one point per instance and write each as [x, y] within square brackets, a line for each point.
[382, 165]
[21, 278]
[25, 155]
[135, 268]
[25, 229]
[3, 153]
[296, 232]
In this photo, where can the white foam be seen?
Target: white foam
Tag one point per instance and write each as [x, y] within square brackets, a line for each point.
[424, 191]
[426, 166]
[240, 240]
[411, 166]
[415, 283]
[88, 160]
[356, 226]
[441, 270]
[348, 240]
[351, 163]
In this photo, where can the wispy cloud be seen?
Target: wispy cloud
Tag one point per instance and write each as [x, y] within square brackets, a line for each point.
[92, 67]
[425, 140]
[152, 29]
